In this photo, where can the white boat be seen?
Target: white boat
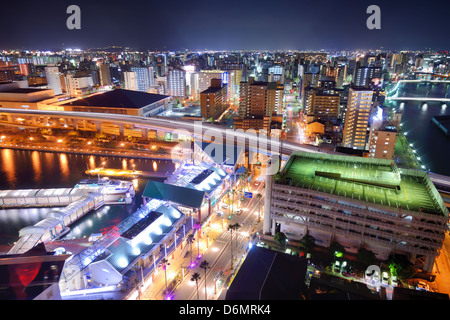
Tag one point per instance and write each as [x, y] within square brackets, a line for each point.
[112, 187]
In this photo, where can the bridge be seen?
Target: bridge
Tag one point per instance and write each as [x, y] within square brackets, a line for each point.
[421, 99]
[57, 220]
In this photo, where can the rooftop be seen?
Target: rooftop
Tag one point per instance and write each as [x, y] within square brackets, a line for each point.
[184, 196]
[371, 180]
[119, 98]
[211, 90]
[268, 275]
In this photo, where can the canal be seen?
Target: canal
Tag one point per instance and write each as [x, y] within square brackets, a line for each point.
[23, 169]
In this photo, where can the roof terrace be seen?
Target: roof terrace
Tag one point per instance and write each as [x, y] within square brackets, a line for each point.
[370, 180]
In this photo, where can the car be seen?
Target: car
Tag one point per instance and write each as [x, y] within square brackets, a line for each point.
[385, 278]
[337, 266]
[422, 286]
[394, 281]
[219, 213]
[239, 211]
[344, 267]
[224, 206]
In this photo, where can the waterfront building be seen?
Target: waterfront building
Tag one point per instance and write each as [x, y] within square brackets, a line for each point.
[359, 203]
[382, 137]
[120, 101]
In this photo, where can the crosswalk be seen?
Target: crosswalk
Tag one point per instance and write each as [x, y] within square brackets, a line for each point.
[226, 237]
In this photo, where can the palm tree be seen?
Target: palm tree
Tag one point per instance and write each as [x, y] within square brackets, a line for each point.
[231, 228]
[205, 266]
[164, 264]
[197, 227]
[233, 192]
[190, 239]
[196, 277]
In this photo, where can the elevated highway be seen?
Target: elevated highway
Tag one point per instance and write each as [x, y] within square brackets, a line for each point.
[200, 131]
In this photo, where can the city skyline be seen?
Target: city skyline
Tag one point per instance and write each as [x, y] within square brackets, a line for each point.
[286, 25]
[234, 150]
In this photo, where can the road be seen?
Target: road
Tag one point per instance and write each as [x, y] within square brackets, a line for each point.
[196, 129]
[215, 249]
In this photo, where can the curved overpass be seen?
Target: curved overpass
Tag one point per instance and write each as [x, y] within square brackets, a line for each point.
[196, 129]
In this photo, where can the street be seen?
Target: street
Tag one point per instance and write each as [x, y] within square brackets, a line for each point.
[214, 247]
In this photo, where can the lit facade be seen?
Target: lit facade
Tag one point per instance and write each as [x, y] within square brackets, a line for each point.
[357, 118]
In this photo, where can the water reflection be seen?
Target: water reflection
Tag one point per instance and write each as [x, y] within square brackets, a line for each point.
[36, 170]
[91, 162]
[9, 166]
[36, 163]
[64, 167]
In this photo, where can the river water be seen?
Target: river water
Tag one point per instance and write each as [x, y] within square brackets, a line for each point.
[430, 143]
[23, 169]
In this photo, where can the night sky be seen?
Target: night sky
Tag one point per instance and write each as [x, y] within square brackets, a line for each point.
[226, 25]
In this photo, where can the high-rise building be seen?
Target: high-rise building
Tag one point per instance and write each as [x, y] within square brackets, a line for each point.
[357, 118]
[383, 136]
[26, 69]
[53, 79]
[213, 101]
[130, 79]
[205, 77]
[364, 76]
[176, 83]
[322, 104]
[77, 86]
[258, 101]
[142, 78]
[275, 96]
[105, 75]
[359, 203]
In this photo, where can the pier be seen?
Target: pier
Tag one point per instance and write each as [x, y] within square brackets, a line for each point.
[70, 205]
[129, 174]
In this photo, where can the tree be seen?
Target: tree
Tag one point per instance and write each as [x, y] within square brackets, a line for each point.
[365, 257]
[196, 277]
[190, 239]
[205, 266]
[308, 242]
[258, 197]
[231, 228]
[281, 238]
[336, 250]
[233, 193]
[400, 266]
[197, 227]
[164, 264]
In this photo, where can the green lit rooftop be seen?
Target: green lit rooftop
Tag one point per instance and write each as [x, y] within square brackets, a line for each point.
[371, 180]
